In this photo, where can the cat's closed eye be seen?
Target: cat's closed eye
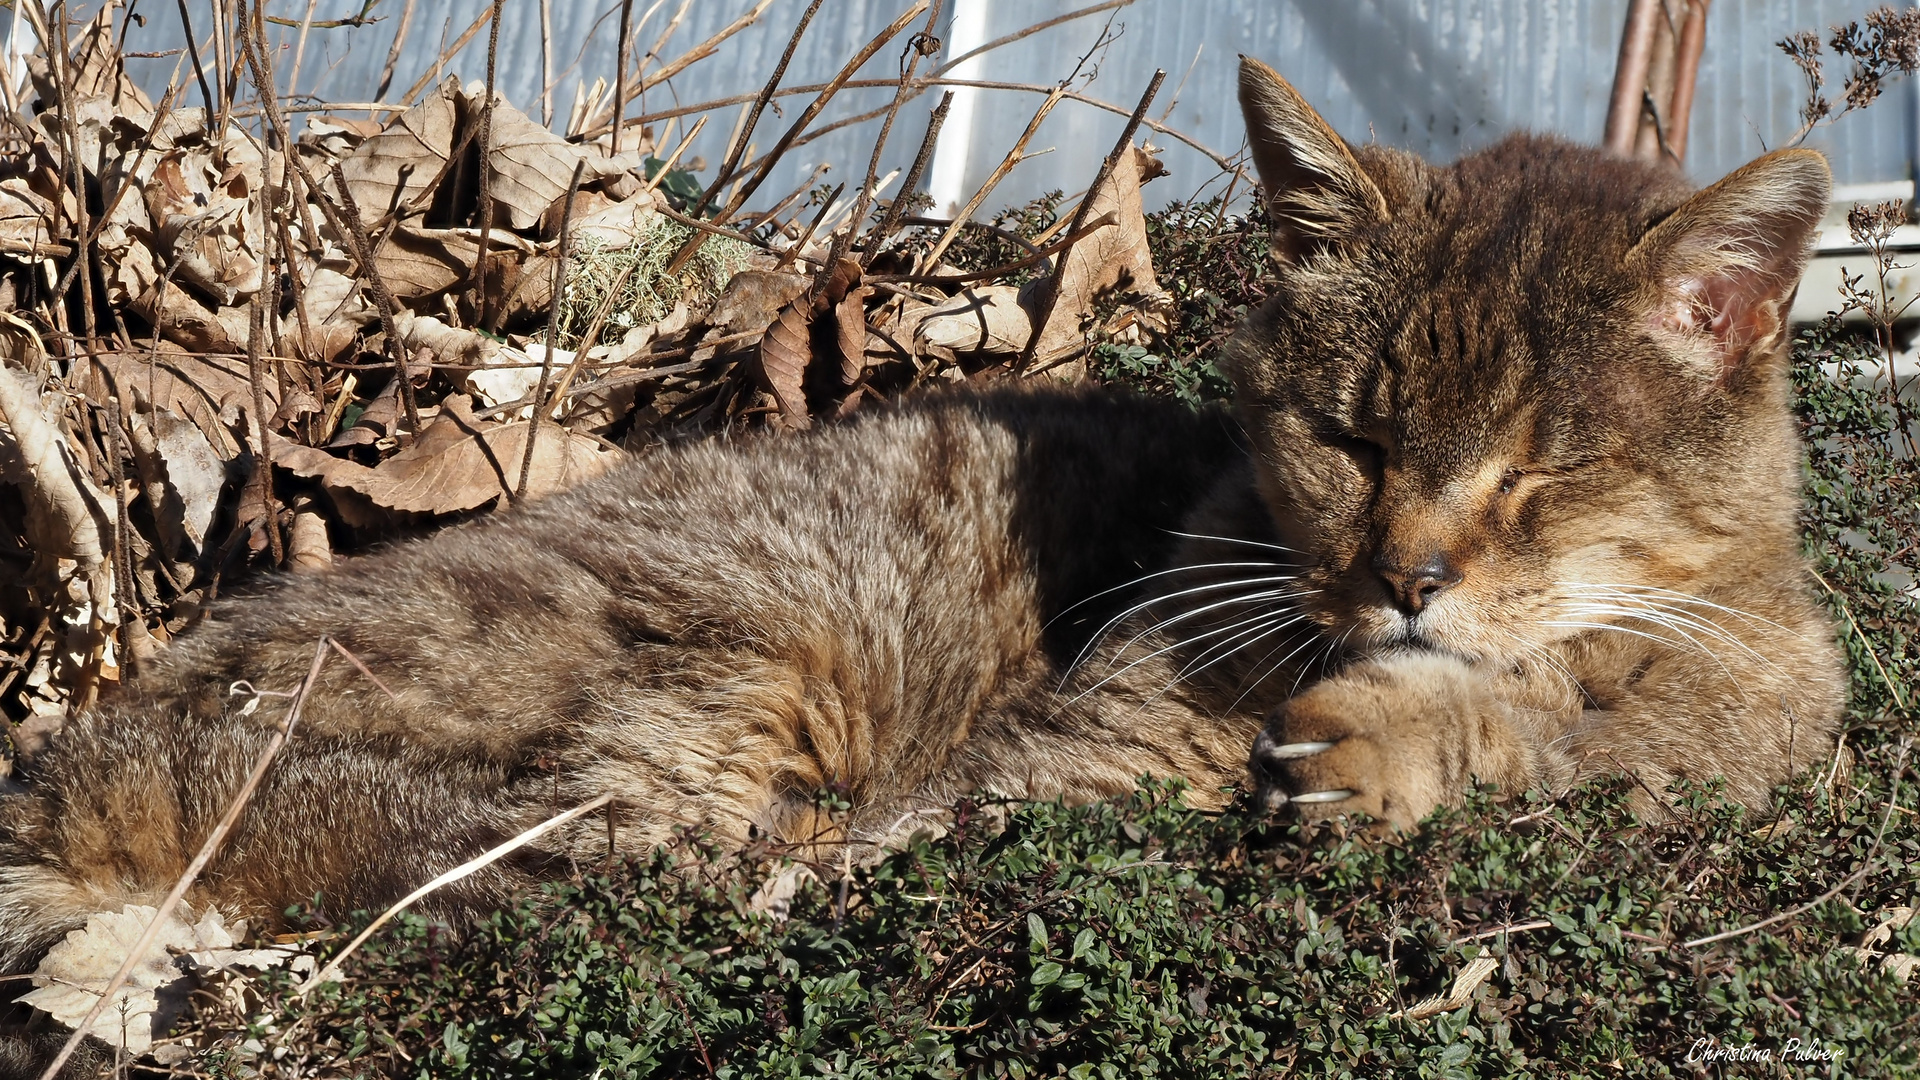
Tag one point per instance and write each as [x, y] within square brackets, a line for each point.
[1369, 456]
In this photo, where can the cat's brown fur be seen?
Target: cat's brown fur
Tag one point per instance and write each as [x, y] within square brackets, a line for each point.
[1474, 384]
[1561, 379]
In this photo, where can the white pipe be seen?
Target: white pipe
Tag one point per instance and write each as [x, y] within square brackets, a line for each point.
[947, 184]
[22, 43]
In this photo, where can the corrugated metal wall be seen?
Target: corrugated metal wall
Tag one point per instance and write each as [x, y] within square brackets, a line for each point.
[1434, 76]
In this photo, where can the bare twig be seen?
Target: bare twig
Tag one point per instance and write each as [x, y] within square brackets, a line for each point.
[393, 52]
[620, 71]
[553, 327]
[753, 182]
[1014, 157]
[420, 84]
[752, 117]
[1037, 255]
[896, 209]
[465, 869]
[921, 44]
[667, 165]
[486, 173]
[199, 72]
[1866, 867]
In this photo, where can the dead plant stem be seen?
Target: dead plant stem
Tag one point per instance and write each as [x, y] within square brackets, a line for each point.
[553, 326]
[738, 145]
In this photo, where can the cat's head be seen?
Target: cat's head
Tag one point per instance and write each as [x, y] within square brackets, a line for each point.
[1478, 389]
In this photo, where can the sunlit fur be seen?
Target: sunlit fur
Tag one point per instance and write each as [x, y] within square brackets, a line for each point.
[1566, 371]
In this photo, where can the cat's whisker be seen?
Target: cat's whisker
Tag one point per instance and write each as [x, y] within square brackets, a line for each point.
[1680, 597]
[1269, 624]
[1669, 642]
[1331, 649]
[1640, 607]
[1083, 601]
[1657, 618]
[1155, 627]
[1249, 685]
[1271, 594]
[1162, 651]
[1232, 540]
[1099, 636]
[1543, 655]
[1677, 620]
[1291, 618]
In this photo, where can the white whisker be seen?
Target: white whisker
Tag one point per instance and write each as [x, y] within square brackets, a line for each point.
[1681, 597]
[1162, 651]
[1677, 621]
[1162, 573]
[1107, 627]
[1232, 540]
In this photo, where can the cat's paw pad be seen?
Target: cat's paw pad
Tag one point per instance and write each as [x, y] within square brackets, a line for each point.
[1324, 765]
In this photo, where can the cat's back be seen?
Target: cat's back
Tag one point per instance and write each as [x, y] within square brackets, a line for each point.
[943, 535]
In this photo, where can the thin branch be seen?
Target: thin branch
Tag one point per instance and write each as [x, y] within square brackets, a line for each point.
[739, 144]
[465, 869]
[553, 327]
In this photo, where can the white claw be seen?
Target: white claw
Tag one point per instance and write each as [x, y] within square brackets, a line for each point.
[1288, 751]
[1323, 796]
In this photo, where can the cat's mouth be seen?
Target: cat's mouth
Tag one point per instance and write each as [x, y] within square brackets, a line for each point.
[1414, 633]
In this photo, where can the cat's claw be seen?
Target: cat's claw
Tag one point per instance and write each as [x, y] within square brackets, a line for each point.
[1289, 751]
[1271, 796]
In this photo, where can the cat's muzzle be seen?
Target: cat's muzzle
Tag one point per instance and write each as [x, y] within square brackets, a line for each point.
[1270, 795]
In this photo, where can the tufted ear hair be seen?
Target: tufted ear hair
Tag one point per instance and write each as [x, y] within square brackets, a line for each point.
[1726, 263]
[1316, 190]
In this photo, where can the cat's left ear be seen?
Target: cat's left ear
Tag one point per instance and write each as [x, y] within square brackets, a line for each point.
[1726, 263]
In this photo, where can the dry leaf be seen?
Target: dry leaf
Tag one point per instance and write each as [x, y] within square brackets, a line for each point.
[616, 225]
[529, 166]
[1109, 258]
[850, 318]
[308, 549]
[335, 313]
[985, 319]
[753, 298]
[1469, 980]
[70, 979]
[774, 897]
[181, 475]
[459, 464]
[784, 354]
[212, 391]
[396, 165]
[26, 219]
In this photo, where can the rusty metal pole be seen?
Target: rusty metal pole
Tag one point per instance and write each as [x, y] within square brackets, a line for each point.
[1693, 40]
[1630, 76]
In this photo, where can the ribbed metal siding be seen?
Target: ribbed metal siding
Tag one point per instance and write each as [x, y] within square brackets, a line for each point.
[1434, 76]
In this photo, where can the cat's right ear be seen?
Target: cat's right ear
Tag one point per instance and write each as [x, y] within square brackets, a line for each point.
[1316, 190]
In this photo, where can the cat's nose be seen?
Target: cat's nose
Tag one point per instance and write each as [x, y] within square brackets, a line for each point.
[1414, 587]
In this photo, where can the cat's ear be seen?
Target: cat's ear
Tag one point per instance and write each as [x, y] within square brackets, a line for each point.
[1315, 189]
[1726, 263]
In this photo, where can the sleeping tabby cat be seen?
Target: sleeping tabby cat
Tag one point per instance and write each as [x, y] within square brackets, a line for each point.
[1508, 492]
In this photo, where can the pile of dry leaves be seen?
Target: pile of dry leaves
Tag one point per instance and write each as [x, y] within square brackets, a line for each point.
[233, 344]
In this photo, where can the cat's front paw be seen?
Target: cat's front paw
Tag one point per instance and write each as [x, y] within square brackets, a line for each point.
[1391, 738]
